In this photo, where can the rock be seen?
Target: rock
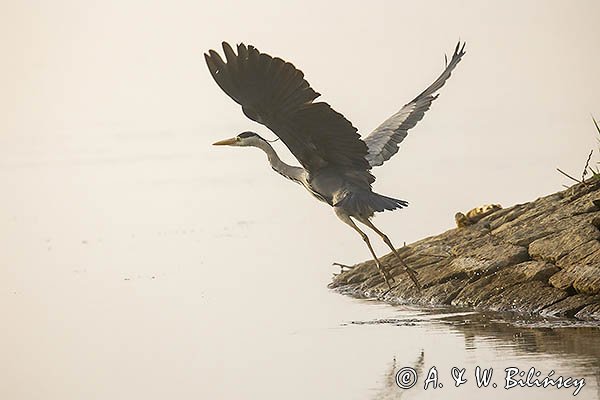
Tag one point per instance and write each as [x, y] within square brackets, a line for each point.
[442, 293]
[482, 289]
[540, 257]
[570, 306]
[586, 253]
[582, 278]
[357, 278]
[553, 247]
[562, 280]
[589, 313]
[510, 215]
[433, 274]
[588, 280]
[537, 271]
[524, 236]
[530, 297]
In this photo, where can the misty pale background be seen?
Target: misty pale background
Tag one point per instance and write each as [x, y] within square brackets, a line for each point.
[137, 259]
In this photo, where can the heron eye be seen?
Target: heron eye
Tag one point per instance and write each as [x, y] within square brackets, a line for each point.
[237, 139]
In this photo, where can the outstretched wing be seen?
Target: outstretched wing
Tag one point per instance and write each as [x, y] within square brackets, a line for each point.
[384, 140]
[274, 93]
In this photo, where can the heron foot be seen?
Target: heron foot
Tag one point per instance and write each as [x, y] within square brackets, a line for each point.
[386, 275]
[413, 276]
[412, 273]
[382, 295]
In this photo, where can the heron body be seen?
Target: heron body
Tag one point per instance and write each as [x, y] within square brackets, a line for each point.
[336, 162]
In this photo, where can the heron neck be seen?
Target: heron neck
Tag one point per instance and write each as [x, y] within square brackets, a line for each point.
[288, 171]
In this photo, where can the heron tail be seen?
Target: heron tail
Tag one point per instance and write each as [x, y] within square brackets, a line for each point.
[367, 203]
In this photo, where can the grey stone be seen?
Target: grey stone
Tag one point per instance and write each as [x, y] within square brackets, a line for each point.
[530, 297]
[553, 247]
[588, 279]
[482, 289]
[570, 306]
[537, 270]
[589, 313]
[583, 278]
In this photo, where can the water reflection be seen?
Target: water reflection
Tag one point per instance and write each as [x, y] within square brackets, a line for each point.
[530, 336]
[390, 388]
[570, 348]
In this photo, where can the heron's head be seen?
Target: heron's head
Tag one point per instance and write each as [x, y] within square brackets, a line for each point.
[243, 139]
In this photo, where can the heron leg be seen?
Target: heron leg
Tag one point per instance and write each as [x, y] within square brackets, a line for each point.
[347, 220]
[411, 272]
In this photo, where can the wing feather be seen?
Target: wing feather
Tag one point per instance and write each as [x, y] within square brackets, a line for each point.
[383, 142]
[274, 93]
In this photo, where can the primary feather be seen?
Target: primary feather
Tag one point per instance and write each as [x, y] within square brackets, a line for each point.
[336, 161]
[274, 93]
[383, 142]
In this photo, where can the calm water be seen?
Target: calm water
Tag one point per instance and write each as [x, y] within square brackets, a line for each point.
[134, 272]
[137, 262]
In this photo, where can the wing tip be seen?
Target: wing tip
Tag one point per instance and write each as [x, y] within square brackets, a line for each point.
[208, 61]
[226, 47]
[460, 50]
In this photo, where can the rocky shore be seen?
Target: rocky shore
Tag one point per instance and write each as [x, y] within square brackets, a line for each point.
[541, 257]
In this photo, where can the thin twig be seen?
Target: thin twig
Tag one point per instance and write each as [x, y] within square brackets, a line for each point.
[567, 175]
[596, 123]
[343, 265]
[587, 163]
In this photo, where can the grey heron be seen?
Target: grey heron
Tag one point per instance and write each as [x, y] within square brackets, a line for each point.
[336, 162]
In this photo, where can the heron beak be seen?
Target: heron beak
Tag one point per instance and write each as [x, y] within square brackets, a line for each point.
[226, 142]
